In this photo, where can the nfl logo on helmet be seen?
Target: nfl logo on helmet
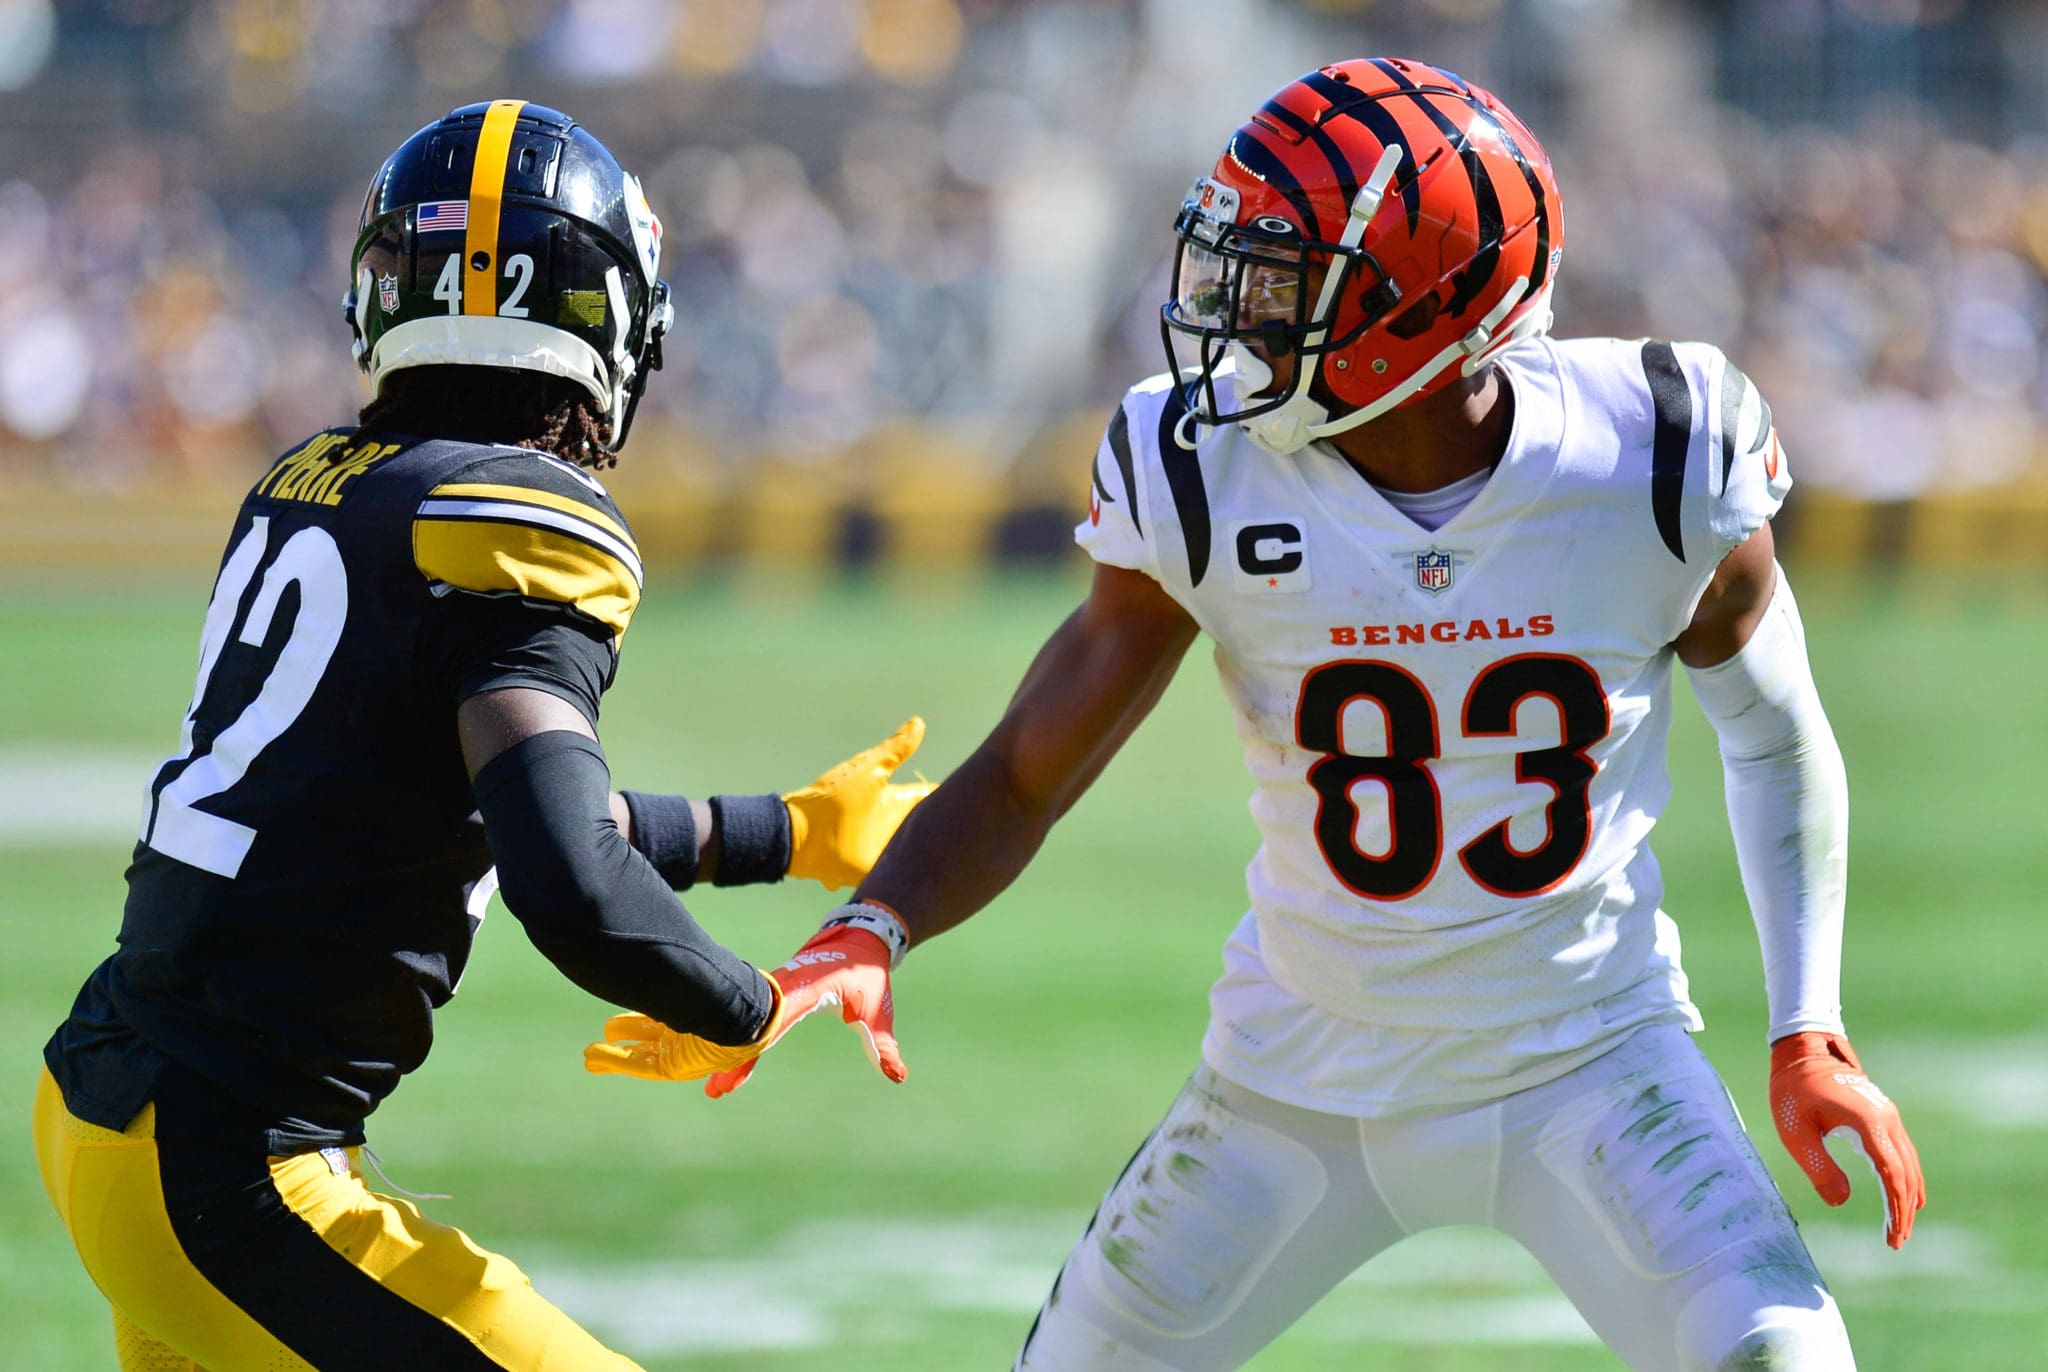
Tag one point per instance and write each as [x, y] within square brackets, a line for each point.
[1433, 570]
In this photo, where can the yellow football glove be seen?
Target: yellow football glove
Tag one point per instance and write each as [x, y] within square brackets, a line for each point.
[639, 1046]
[839, 824]
[843, 968]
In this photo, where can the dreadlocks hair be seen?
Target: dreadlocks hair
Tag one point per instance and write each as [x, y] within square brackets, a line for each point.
[494, 405]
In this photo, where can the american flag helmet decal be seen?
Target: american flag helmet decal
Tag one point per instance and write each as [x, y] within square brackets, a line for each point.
[443, 216]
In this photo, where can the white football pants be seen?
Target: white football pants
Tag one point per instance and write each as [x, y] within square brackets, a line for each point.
[1630, 1180]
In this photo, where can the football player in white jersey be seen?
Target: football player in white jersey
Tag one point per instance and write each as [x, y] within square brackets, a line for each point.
[1446, 564]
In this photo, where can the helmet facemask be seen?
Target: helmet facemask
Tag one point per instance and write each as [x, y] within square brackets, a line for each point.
[1244, 297]
[1428, 227]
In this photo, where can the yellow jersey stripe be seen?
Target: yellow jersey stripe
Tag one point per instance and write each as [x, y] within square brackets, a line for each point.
[484, 490]
[533, 516]
[486, 195]
[537, 563]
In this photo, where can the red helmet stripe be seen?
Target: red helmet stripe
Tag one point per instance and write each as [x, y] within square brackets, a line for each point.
[1486, 206]
[1249, 150]
[1381, 123]
[1309, 129]
[1480, 231]
[1539, 270]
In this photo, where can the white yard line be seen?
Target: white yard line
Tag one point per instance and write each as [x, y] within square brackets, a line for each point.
[1997, 1083]
[800, 1290]
[818, 1285]
[70, 793]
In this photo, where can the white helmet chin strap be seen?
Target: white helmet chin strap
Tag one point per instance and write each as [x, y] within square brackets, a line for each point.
[1288, 428]
[1302, 421]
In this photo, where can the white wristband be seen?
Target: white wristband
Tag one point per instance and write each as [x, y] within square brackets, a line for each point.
[879, 920]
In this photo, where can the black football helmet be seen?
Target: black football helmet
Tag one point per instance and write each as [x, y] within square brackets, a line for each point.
[504, 235]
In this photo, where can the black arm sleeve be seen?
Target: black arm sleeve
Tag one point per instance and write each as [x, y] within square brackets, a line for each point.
[595, 907]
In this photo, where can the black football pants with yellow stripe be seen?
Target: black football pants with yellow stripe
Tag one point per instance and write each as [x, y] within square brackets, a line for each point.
[223, 1258]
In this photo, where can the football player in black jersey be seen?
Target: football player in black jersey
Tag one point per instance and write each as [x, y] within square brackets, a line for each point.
[395, 715]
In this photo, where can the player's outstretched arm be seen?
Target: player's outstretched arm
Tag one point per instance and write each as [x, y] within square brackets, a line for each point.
[1090, 686]
[592, 904]
[1788, 806]
[1092, 683]
[830, 831]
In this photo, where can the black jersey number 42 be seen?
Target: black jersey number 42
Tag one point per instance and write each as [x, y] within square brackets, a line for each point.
[1415, 807]
[173, 823]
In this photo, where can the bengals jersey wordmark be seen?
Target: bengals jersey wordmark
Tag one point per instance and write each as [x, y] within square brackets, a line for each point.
[1456, 737]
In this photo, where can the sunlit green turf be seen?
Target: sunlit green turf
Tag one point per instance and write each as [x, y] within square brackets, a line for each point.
[914, 1227]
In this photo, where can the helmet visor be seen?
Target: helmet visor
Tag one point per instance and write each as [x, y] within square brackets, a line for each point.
[1256, 286]
[1231, 294]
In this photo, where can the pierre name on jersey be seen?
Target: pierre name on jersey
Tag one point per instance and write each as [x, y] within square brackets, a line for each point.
[319, 818]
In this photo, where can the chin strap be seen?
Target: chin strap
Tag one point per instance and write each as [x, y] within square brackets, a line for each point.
[1299, 412]
[1288, 428]
[355, 308]
[1301, 421]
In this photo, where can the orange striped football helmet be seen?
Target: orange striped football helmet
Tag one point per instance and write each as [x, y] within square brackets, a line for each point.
[1378, 222]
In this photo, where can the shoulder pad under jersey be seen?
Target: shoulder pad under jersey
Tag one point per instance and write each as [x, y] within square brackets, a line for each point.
[1148, 501]
[524, 523]
[1717, 469]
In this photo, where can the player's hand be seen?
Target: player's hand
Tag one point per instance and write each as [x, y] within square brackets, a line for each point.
[839, 824]
[1817, 1088]
[639, 1046]
[840, 967]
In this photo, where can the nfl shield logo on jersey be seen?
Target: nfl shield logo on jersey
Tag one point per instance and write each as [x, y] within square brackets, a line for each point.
[1433, 570]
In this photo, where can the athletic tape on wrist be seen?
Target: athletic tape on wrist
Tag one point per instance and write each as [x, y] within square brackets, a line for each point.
[753, 839]
[879, 920]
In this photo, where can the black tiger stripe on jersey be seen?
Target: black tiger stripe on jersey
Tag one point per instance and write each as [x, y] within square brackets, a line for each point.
[1095, 480]
[1119, 437]
[1734, 387]
[1183, 470]
[1672, 399]
[1261, 161]
[1735, 390]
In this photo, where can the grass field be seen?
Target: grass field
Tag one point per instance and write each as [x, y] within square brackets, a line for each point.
[822, 1217]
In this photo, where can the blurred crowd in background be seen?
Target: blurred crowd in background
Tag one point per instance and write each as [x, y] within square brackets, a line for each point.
[956, 214]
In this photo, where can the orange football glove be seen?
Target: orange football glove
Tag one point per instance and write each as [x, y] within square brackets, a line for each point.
[1817, 1088]
[843, 967]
